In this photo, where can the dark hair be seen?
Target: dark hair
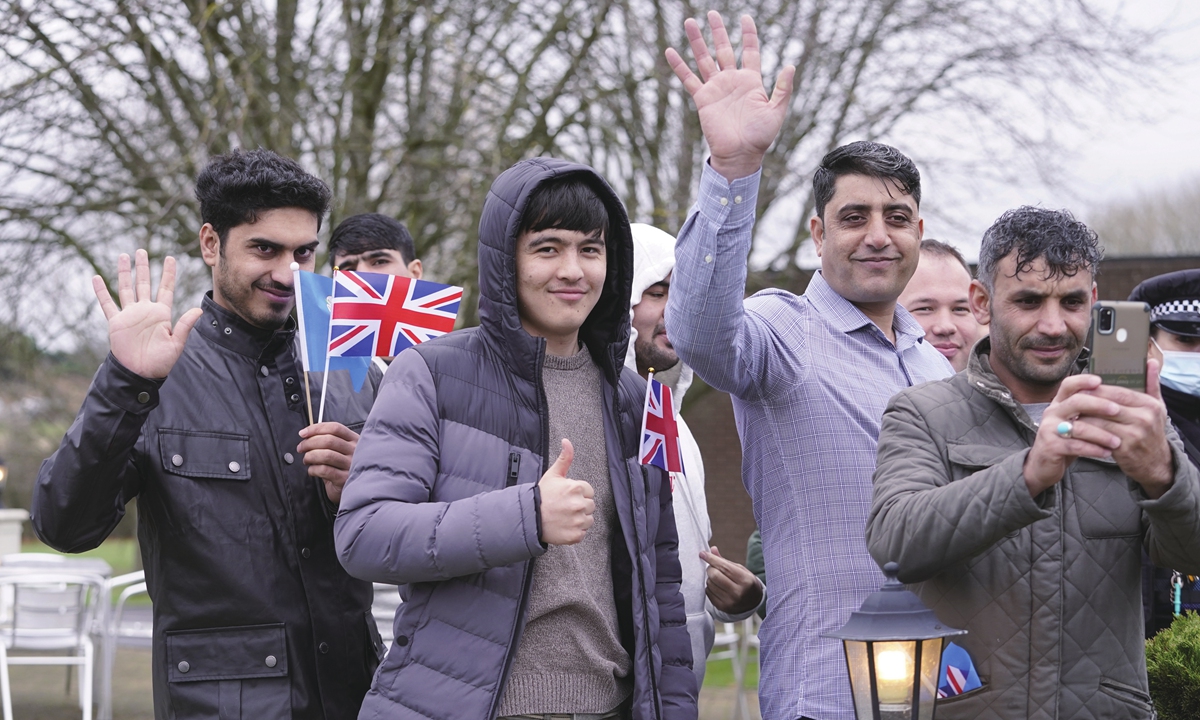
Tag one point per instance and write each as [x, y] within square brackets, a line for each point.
[371, 231]
[865, 158]
[941, 249]
[566, 203]
[1066, 244]
[235, 187]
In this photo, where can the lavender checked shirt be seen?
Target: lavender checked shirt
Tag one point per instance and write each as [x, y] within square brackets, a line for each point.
[810, 376]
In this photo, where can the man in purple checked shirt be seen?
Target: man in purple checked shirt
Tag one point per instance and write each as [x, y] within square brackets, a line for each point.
[810, 375]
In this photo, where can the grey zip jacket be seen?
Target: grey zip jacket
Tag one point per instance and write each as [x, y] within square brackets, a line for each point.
[442, 493]
[1048, 588]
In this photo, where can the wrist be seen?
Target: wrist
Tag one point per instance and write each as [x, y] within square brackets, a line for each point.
[736, 167]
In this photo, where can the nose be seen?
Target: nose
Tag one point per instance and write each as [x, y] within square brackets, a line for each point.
[1052, 322]
[943, 324]
[877, 236]
[569, 268]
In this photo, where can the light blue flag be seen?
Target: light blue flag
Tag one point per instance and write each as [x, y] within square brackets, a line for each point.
[958, 672]
[312, 313]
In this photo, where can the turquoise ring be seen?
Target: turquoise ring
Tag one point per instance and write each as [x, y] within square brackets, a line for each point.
[1064, 429]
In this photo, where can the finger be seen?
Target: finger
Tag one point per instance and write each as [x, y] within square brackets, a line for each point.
[588, 490]
[327, 458]
[589, 508]
[1153, 369]
[1096, 431]
[107, 306]
[751, 59]
[326, 442]
[124, 281]
[1127, 397]
[1084, 403]
[726, 59]
[142, 274]
[566, 456]
[1076, 383]
[691, 83]
[781, 96]
[704, 62]
[166, 284]
[329, 428]
[185, 324]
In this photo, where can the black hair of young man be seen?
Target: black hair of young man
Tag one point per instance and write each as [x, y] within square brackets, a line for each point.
[865, 158]
[564, 204]
[358, 234]
[235, 187]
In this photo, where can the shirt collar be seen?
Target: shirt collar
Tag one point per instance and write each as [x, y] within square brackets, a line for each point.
[229, 330]
[845, 317]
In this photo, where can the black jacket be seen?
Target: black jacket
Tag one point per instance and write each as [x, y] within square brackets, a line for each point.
[253, 615]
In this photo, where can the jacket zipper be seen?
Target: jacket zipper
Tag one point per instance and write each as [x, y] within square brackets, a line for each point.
[656, 699]
[527, 576]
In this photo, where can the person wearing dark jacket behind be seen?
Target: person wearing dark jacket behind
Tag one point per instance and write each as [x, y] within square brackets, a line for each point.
[1174, 300]
[534, 585]
[205, 424]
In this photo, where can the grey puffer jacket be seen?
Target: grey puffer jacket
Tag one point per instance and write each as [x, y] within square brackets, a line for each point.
[1048, 588]
[442, 497]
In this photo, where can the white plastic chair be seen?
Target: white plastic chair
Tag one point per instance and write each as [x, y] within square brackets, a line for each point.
[110, 628]
[750, 628]
[727, 637]
[383, 609]
[51, 611]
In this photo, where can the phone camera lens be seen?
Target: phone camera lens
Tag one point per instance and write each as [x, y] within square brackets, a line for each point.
[1107, 318]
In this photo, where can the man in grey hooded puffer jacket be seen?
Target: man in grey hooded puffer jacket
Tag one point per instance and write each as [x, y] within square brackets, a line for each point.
[527, 591]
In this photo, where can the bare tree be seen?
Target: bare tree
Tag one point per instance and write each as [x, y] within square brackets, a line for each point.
[1163, 223]
[108, 108]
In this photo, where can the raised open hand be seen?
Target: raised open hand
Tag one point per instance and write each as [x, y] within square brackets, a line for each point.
[738, 119]
[139, 333]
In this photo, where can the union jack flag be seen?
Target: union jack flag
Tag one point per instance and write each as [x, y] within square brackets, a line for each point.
[660, 430]
[378, 315]
[958, 673]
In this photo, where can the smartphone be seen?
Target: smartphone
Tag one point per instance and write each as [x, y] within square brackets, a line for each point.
[1118, 339]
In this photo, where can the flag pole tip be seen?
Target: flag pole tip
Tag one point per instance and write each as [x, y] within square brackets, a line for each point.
[651, 370]
[295, 266]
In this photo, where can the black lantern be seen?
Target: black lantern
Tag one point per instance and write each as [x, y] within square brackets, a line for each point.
[893, 649]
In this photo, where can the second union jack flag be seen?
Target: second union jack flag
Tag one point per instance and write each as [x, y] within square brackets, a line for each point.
[378, 315]
[660, 430]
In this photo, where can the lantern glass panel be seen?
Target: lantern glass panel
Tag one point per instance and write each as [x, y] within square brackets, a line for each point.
[895, 675]
[860, 678]
[931, 665]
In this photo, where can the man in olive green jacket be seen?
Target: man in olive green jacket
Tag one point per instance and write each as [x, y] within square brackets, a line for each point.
[1018, 494]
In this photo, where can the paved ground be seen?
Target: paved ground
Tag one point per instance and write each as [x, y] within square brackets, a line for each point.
[39, 693]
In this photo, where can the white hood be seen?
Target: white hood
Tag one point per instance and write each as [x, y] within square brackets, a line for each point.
[653, 260]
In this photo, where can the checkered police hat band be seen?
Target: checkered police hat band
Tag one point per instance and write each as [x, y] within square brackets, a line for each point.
[1174, 307]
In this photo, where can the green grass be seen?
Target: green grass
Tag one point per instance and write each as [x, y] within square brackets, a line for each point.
[720, 673]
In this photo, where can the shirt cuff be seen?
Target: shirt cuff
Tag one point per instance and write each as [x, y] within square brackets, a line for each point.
[126, 389]
[726, 203]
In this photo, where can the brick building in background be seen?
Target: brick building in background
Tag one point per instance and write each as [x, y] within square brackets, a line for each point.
[710, 413]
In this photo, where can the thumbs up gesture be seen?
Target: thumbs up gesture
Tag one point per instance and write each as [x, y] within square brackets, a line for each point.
[567, 504]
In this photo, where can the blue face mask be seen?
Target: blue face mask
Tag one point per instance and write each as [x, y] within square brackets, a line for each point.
[1180, 370]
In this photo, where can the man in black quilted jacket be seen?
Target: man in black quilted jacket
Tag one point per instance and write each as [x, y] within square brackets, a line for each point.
[1018, 494]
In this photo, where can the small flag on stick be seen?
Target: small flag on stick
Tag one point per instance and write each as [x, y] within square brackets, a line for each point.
[958, 672]
[660, 429]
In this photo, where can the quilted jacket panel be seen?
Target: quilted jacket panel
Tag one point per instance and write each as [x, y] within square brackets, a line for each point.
[1048, 588]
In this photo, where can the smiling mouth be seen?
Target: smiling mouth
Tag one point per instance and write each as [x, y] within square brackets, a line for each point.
[279, 296]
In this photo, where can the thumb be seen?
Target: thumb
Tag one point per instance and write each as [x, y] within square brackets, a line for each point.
[186, 322]
[1153, 369]
[562, 465]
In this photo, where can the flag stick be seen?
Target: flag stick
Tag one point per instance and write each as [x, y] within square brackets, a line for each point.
[304, 362]
[308, 397]
[645, 404]
[328, 337]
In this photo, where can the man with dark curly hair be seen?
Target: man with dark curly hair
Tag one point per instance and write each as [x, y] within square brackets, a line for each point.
[1017, 495]
[204, 422]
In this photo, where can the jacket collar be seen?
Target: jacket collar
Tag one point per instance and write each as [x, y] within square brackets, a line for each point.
[981, 377]
[230, 331]
[606, 331]
[845, 317]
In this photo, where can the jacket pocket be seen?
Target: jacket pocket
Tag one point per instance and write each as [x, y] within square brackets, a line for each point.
[205, 454]
[236, 672]
[1127, 695]
[1103, 502]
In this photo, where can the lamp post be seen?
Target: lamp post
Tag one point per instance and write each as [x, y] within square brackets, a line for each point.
[893, 647]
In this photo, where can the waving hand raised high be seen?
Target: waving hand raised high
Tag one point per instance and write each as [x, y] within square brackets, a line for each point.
[738, 119]
[139, 332]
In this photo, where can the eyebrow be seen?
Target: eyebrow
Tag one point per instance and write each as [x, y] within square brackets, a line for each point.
[554, 237]
[279, 246]
[863, 207]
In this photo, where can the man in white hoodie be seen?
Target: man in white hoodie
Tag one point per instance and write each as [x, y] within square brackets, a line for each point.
[733, 593]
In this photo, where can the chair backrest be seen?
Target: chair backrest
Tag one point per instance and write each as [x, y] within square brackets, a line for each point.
[33, 559]
[50, 610]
